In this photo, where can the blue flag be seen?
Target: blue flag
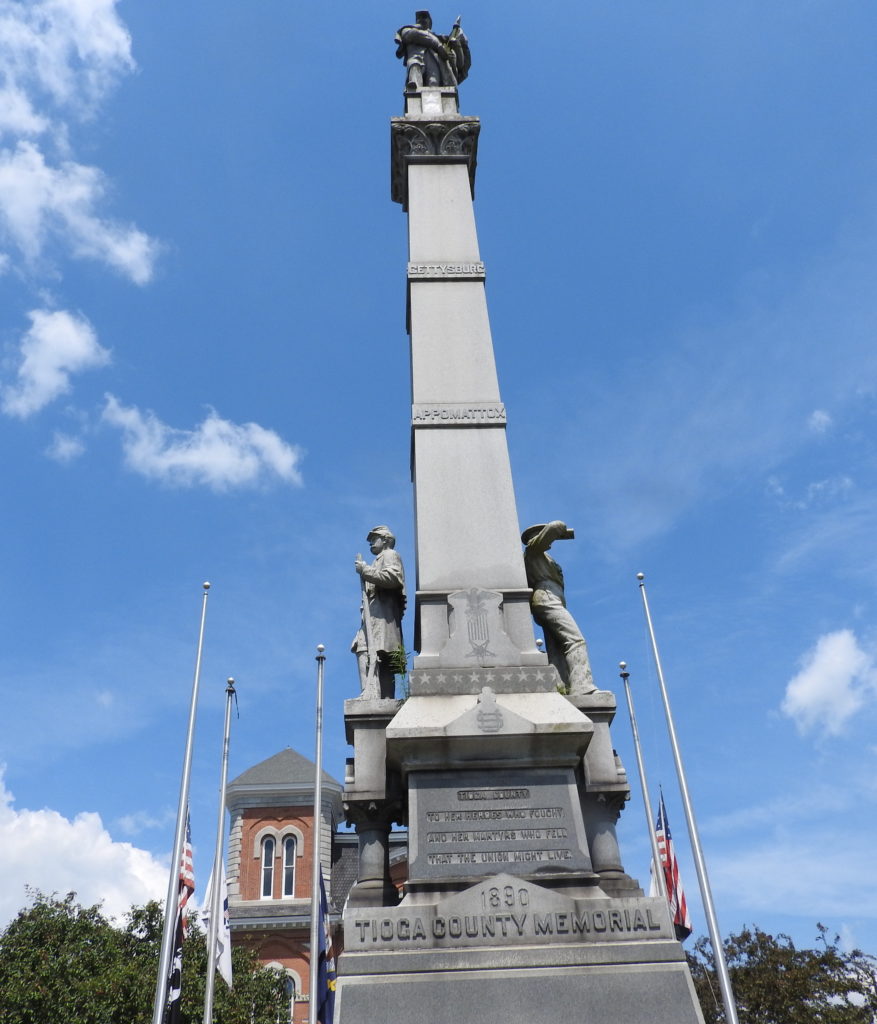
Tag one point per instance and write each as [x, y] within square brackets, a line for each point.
[325, 964]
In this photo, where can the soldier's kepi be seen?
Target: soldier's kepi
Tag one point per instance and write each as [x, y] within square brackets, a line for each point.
[383, 605]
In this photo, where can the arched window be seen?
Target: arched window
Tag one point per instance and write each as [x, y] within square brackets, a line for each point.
[268, 848]
[292, 985]
[289, 851]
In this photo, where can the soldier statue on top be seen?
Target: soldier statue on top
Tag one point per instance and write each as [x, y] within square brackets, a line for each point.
[432, 59]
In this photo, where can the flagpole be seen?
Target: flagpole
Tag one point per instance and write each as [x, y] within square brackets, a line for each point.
[216, 895]
[696, 849]
[164, 961]
[317, 869]
[658, 870]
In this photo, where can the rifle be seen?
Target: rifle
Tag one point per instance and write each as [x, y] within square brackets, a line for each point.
[372, 671]
[448, 40]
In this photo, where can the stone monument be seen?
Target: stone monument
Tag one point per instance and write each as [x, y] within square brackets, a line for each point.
[517, 907]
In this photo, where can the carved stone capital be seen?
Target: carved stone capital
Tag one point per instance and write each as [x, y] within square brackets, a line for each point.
[372, 814]
[452, 140]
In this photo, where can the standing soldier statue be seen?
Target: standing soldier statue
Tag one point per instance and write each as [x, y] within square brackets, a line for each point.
[432, 59]
[383, 604]
[564, 643]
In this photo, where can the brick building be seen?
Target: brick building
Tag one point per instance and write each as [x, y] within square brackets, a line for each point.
[270, 864]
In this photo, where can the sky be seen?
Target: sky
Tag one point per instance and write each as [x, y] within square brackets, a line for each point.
[204, 376]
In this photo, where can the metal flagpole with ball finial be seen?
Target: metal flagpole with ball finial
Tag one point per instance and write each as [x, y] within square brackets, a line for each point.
[696, 849]
[164, 962]
[317, 869]
[657, 871]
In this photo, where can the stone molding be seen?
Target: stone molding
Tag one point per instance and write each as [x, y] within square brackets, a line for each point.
[445, 140]
[278, 835]
[472, 679]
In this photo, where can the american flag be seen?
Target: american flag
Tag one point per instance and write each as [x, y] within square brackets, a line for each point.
[187, 878]
[172, 1010]
[672, 881]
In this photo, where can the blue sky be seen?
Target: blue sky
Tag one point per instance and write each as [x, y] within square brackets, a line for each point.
[203, 375]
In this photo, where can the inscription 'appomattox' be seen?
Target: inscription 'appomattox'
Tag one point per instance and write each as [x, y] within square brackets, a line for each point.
[458, 414]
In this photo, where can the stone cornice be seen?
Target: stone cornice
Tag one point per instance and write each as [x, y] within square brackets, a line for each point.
[450, 139]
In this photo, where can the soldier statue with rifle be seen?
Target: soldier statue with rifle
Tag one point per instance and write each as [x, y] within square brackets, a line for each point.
[379, 639]
[432, 59]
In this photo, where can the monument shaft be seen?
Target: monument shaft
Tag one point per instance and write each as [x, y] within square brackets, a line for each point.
[467, 531]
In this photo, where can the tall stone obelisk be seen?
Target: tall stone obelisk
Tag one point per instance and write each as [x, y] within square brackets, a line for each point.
[516, 906]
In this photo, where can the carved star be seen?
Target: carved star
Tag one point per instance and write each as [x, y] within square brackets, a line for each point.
[458, 679]
[522, 676]
[474, 677]
[489, 677]
[506, 677]
[441, 678]
[413, 678]
[540, 675]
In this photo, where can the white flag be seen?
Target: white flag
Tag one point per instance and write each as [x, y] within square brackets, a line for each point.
[223, 932]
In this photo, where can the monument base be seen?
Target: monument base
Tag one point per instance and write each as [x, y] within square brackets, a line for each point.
[630, 993]
[507, 950]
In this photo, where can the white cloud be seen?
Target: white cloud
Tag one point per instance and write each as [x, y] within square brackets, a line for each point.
[65, 447]
[47, 851]
[819, 421]
[68, 53]
[141, 821]
[825, 492]
[217, 453]
[57, 345]
[58, 59]
[38, 201]
[17, 116]
[836, 678]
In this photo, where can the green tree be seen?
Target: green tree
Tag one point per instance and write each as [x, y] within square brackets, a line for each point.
[62, 963]
[774, 982]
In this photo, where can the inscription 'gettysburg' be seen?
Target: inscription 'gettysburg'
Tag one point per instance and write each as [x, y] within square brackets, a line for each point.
[519, 829]
[473, 271]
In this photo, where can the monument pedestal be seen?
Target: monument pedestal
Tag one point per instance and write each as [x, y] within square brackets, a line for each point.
[507, 950]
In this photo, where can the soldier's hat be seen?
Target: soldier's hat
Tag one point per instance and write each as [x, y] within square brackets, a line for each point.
[422, 16]
[531, 532]
[382, 531]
